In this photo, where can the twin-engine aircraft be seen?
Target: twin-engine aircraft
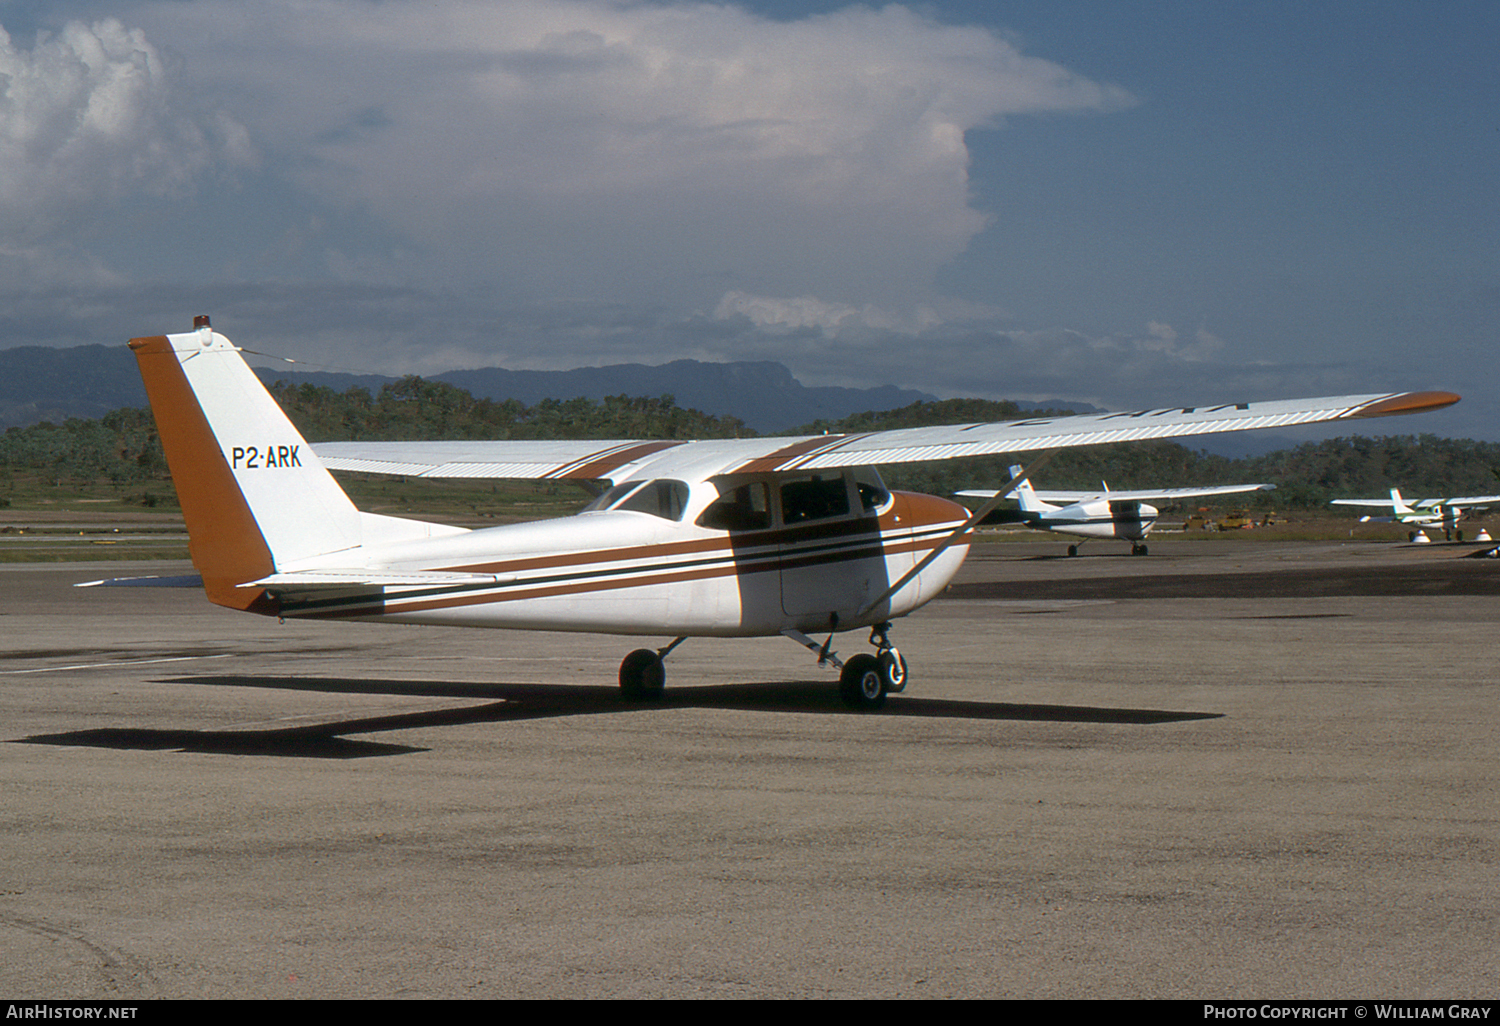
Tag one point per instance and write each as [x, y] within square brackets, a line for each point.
[1101, 514]
[717, 538]
[1422, 513]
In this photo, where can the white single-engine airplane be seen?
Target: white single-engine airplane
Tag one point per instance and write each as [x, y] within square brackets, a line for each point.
[718, 538]
[1101, 514]
[1423, 512]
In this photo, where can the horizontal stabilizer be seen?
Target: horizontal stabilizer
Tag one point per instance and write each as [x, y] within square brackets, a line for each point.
[182, 581]
[311, 579]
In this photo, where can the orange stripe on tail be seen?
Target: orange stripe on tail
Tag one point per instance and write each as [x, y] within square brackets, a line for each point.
[227, 546]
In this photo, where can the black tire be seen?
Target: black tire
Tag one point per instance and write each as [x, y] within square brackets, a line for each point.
[862, 684]
[1072, 550]
[642, 676]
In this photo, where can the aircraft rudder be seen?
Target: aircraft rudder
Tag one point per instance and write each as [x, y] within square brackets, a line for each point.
[252, 492]
[225, 542]
[1025, 494]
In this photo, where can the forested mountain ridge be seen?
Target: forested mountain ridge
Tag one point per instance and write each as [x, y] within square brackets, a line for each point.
[121, 447]
[40, 383]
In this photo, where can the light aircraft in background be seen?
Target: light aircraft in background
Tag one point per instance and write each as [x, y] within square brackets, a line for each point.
[1101, 514]
[1422, 513]
[742, 537]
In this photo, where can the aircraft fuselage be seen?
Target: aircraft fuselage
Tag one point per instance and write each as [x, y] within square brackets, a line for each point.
[1099, 518]
[626, 572]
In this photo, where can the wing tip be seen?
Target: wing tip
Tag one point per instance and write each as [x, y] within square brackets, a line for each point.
[1407, 402]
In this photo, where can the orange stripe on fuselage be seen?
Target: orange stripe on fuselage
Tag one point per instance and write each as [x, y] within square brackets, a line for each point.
[225, 543]
[394, 604]
[912, 511]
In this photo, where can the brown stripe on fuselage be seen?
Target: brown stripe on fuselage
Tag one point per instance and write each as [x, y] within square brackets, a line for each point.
[919, 511]
[225, 542]
[770, 563]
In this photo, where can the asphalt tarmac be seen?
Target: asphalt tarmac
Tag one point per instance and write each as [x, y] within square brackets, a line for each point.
[1226, 770]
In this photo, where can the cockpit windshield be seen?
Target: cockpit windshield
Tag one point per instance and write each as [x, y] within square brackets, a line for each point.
[612, 496]
[665, 498]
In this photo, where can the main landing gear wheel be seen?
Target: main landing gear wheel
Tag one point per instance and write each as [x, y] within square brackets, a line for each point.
[862, 685]
[1139, 550]
[642, 676]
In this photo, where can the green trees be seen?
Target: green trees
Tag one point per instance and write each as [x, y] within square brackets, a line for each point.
[121, 448]
[414, 408]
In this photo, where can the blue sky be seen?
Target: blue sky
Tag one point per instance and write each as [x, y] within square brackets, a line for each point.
[1128, 204]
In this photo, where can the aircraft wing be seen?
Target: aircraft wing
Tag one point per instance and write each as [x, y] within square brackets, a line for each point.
[1422, 504]
[1167, 494]
[621, 460]
[1467, 500]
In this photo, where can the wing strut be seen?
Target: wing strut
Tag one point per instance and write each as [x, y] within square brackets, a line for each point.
[959, 532]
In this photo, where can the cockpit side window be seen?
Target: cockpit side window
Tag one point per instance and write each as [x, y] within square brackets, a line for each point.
[745, 508]
[816, 497]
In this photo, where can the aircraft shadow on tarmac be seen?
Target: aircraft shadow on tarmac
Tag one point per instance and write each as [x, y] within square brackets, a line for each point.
[537, 701]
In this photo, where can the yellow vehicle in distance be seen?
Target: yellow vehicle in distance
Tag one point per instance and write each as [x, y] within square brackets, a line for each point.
[1236, 520]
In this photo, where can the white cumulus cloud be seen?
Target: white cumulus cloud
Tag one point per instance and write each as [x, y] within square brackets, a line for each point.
[629, 150]
[87, 115]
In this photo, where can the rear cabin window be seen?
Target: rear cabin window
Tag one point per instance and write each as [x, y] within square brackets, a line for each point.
[746, 508]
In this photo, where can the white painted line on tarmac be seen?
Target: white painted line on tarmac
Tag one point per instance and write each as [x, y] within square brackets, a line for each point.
[127, 662]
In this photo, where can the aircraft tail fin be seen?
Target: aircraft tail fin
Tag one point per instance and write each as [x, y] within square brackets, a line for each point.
[1026, 495]
[252, 493]
[1397, 503]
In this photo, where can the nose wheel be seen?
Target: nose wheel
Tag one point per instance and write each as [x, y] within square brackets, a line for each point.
[864, 679]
